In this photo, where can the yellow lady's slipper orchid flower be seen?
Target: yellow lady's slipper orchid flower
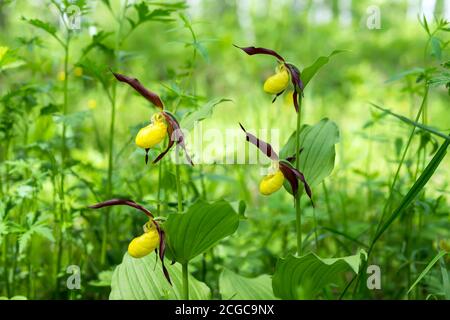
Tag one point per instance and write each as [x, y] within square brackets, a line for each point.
[144, 244]
[281, 169]
[278, 82]
[152, 134]
[152, 239]
[163, 123]
[271, 183]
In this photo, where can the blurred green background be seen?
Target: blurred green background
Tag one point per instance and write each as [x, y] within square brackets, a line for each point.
[190, 60]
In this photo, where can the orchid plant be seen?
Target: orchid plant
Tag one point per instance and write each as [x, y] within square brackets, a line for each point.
[278, 83]
[162, 124]
[281, 169]
[153, 238]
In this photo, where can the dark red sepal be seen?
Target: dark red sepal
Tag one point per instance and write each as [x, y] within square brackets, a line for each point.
[121, 202]
[261, 145]
[162, 251]
[175, 135]
[292, 174]
[257, 50]
[295, 77]
[162, 244]
[296, 82]
[276, 96]
[136, 85]
[146, 155]
[169, 145]
[292, 158]
[295, 99]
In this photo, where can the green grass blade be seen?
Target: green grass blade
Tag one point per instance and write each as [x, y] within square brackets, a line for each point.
[346, 236]
[415, 189]
[427, 269]
[413, 123]
[445, 280]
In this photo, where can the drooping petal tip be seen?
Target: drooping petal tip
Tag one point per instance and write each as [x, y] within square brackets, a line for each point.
[121, 202]
[175, 136]
[265, 147]
[259, 50]
[136, 85]
[293, 175]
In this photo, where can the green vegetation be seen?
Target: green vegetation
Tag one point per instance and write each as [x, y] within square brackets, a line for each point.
[345, 122]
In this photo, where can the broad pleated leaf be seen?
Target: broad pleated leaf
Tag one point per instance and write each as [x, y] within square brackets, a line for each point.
[235, 287]
[143, 279]
[318, 143]
[306, 276]
[200, 228]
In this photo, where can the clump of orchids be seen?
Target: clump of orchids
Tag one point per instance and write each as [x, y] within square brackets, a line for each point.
[278, 82]
[280, 170]
[153, 238]
[162, 124]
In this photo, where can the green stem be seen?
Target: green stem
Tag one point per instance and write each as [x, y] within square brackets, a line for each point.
[62, 209]
[298, 214]
[158, 196]
[109, 186]
[5, 237]
[185, 281]
[180, 210]
[327, 202]
[400, 165]
[179, 191]
[5, 266]
[109, 189]
[202, 182]
[391, 193]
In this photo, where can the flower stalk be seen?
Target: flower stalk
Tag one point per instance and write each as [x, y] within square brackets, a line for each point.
[109, 184]
[298, 213]
[185, 281]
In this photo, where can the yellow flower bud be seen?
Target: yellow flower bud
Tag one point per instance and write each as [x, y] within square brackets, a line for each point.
[152, 134]
[61, 76]
[444, 245]
[78, 71]
[144, 244]
[271, 183]
[92, 103]
[277, 82]
[3, 51]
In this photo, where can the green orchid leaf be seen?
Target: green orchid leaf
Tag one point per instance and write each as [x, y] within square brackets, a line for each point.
[235, 287]
[309, 72]
[200, 228]
[318, 154]
[304, 277]
[206, 111]
[143, 279]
